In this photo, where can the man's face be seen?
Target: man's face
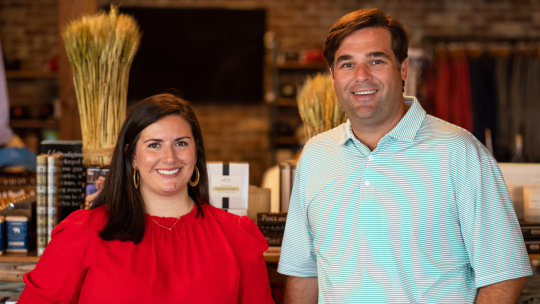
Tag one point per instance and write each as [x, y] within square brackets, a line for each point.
[367, 80]
[99, 183]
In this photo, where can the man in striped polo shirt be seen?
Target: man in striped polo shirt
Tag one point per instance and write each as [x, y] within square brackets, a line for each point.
[396, 206]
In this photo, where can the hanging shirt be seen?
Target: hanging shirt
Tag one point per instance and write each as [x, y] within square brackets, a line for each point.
[5, 131]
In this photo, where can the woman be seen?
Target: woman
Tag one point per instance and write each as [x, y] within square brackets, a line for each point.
[151, 236]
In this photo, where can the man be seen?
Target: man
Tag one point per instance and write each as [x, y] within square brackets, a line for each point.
[396, 206]
[92, 191]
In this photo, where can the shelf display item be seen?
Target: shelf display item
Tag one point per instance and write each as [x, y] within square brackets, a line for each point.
[17, 234]
[229, 184]
[318, 105]
[101, 49]
[531, 203]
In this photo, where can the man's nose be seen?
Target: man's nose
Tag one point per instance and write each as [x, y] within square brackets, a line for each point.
[362, 73]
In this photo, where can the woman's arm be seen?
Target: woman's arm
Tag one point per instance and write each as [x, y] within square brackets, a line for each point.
[254, 283]
[59, 274]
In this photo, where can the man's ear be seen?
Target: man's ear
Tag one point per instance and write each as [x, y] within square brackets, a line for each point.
[404, 68]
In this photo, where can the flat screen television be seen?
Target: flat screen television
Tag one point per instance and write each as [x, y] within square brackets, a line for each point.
[206, 55]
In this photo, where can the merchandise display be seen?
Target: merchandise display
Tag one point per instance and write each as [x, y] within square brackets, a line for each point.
[101, 49]
[229, 184]
[16, 234]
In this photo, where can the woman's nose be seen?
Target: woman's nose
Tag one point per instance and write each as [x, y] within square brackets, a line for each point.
[169, 157]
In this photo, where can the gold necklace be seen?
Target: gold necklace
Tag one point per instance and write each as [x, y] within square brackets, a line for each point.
[174, 222]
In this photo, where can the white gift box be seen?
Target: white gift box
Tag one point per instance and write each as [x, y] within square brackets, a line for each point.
[229, 184]
[240, 212]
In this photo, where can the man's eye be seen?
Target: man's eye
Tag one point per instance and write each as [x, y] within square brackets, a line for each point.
[347, 65]
[377, 61]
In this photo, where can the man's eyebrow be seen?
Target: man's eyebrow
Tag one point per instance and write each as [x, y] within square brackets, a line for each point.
[378, 54]
[343, 58]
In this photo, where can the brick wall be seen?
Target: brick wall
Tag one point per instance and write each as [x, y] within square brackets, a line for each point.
[28, 30]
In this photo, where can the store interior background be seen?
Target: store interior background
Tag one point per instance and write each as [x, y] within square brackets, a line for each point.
[29, 31]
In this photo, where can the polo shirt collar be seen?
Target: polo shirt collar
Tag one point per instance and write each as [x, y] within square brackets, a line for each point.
[406, 128]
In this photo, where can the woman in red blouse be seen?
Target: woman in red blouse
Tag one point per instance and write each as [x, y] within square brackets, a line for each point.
[151, 236]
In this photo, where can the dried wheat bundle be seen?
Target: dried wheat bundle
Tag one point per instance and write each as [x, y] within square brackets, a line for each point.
[318, 105]
[101, 49]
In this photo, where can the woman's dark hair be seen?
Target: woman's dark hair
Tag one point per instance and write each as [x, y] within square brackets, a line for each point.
[124, 203]
[366, 18]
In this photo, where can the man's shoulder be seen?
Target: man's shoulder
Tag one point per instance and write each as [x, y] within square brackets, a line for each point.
[327, 140]
[451, 136]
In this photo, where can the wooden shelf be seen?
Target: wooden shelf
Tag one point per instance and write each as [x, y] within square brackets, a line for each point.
[303, 66]
[32, 123]
[29, 257]
[534, 256]
[30, 74]
[286, 140]
[286, 102]
[271, 258]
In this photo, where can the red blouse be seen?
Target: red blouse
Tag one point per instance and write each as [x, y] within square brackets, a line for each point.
[217, 258]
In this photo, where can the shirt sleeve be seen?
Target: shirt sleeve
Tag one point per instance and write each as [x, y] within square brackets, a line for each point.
[254, 283]
[297, 253]
[59, 273]
[489, 225]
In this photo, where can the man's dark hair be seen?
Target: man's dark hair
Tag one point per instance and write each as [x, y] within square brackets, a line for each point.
[124, 204]
[366, 18]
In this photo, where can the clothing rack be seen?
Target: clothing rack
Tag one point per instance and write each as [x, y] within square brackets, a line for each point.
[489, 86]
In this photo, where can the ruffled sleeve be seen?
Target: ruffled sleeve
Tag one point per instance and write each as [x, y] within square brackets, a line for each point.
[60, 272]
[254, 283]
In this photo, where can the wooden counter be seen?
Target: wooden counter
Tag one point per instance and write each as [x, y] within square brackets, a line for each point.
[14, 265]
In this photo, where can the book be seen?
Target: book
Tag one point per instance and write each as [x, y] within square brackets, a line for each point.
[531, 231]
[265, 228]
[272, 251]
[54, 173]
[274, 239]
[268, 218]
[72, 190]
[41, 203]
[532, 246]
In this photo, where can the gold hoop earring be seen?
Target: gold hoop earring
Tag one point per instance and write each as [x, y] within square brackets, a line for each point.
[193, 184]
[136, 178]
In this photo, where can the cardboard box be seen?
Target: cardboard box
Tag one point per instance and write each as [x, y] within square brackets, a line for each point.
[229, 184]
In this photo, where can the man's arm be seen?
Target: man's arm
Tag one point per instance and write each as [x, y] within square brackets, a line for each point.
[300, 290]
[91, 197]
[501, 293]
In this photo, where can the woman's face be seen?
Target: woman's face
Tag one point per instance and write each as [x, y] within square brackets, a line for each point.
[166, 156]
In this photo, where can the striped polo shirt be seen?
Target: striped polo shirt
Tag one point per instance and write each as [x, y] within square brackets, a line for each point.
[423, 218]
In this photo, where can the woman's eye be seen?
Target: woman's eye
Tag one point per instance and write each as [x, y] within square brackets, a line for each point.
[154, 145]
[181, 143]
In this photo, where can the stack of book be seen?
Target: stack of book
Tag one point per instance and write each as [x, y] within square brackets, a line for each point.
[531, 234]
[72, 190]
[49, 181]
[272, 226]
